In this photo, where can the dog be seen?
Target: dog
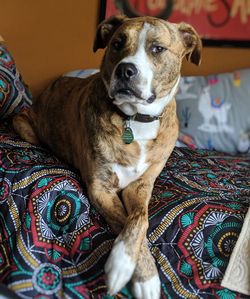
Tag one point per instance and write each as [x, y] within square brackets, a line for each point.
[119, 127]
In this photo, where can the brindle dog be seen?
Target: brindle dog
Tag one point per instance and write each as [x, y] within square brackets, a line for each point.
[118, 127]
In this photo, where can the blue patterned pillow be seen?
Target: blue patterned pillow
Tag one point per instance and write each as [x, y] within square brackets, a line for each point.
[14, 94]
[214, 111]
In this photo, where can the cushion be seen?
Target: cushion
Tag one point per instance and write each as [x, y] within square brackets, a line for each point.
[81, 73]
[214, 111]
[14, 94]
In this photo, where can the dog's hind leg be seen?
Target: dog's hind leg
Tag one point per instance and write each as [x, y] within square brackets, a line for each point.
[22, 124]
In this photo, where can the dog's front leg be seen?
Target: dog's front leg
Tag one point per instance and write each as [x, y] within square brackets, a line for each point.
[120, 267]
[145, 280]
[122, 260]
[131, 244]
[107, 202]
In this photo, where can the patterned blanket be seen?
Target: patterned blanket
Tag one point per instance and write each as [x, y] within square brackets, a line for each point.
[53, 244]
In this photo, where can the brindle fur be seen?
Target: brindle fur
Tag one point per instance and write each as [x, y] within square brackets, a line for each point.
[76, 120]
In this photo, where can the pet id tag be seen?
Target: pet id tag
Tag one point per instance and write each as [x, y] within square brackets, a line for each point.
[127, 135]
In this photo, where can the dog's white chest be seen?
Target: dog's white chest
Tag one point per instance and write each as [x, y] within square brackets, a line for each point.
[142, 134]
[128, 174]
[144, 131]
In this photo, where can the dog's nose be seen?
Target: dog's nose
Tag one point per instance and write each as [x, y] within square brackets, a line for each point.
[126, 71]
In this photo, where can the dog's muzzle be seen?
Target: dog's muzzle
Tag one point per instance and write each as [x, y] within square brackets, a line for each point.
[127, 79]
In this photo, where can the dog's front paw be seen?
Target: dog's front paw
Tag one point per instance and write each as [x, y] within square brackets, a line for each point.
[149, 289]
[119, 268]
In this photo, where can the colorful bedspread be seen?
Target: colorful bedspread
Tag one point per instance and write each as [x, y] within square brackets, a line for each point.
[53, 244]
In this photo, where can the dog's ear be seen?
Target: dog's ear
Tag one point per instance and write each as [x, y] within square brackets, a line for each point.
[192, 43]
[105, 31]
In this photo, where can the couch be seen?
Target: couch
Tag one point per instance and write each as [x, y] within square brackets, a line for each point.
[54, 244]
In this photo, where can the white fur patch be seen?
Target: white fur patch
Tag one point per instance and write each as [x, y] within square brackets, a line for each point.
[119, 268]
[144, 131]
[143, 63]
[149, 289]
[128, 174]
[145, 68]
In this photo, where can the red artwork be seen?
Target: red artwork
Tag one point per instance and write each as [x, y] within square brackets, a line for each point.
[227, 20]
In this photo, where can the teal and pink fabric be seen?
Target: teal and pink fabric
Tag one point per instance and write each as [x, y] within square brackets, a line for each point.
[54, 244]
[14, 94]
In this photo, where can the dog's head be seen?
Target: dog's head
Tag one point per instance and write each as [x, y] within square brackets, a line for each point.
[142, 62]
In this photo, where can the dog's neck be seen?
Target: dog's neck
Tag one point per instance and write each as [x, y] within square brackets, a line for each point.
[139, 117]
[132, 122]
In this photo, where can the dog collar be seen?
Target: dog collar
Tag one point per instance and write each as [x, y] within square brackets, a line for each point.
[143, 118]
[128, 135]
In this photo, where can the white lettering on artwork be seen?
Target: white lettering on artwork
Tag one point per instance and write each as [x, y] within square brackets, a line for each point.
[236, 8]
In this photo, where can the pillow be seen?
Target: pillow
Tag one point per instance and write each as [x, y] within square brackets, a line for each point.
[214, 111]
[81, 73]
[14, 94]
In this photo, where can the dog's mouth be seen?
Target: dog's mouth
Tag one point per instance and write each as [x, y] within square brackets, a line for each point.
[130, 93]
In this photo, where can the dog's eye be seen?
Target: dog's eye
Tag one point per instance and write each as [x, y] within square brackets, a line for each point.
[157, 49]
[119, 42]
[117, 45]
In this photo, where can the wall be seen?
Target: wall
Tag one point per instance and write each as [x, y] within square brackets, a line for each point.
[217, 60]
[50, 37]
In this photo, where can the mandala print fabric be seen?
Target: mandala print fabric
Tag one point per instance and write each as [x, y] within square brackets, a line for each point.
[53, 244]
[14, 94]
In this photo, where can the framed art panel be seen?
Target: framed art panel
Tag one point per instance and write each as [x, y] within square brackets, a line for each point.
[219, 22]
